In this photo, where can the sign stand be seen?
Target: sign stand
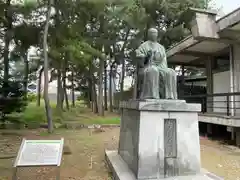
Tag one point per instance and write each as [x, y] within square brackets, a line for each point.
[38, 153]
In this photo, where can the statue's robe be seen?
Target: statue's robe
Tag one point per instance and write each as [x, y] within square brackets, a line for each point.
[159, 81]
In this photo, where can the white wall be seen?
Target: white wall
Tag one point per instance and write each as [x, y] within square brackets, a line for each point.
[52, 89]
[52, 86]
[221, 84]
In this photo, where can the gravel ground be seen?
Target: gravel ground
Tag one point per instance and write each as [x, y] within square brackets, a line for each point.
[86, 160]
[220, 159]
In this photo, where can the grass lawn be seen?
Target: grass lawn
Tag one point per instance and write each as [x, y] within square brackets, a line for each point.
[84, 115]
[78, 115]
[86, 160]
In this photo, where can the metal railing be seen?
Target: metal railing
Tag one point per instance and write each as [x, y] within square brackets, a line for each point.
[220, 103]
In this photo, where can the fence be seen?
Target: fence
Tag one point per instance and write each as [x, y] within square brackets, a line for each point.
[220, 103]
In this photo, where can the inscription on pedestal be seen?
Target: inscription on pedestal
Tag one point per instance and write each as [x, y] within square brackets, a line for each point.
[170, 138]
[170, 148]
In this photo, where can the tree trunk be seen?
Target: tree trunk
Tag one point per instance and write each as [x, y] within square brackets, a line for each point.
[135, 83]
[148, 25]
[114, 84]
[39, 87]
[64, 84]
[93, 99]
[96, 110]
[122, 79]
[26, 72]
[110, 90]
[89, 93]
[65, 92]
[101, 69]
[94, 96]
[59, 89]
[46, 63]
[73, 90]
[6, 68]
[100, 88]
[61, 95]
[90, 89]
[7, 39]
[105, 87]
[66, 96]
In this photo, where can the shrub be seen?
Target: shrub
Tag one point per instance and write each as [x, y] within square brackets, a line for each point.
[34, 113]
[31, 97]
[14, 101]
[80, 98]
[37, 114]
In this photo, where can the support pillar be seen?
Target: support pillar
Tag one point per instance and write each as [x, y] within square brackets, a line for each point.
[235, 67]
[232, 130]
[209, 129]
[238, 136]
[181, 83]
[209, 74]
[233, 134]
[231, 68]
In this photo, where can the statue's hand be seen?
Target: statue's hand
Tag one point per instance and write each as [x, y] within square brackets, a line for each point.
[149, 54]
[148, 57]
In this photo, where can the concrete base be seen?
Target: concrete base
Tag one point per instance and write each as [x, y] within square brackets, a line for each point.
[121, 171]
[160, 138]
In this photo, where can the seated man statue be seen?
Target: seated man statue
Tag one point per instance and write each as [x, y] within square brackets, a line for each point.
[155, 79]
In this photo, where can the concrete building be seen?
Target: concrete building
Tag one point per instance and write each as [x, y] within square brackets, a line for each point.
[215, 45]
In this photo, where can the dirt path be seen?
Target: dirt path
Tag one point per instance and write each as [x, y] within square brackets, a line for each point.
[87, 159]
[221, 160]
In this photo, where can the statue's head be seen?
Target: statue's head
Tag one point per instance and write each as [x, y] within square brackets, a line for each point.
[152, 34]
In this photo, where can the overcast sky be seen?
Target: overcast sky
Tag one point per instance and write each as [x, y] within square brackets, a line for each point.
[227, 5]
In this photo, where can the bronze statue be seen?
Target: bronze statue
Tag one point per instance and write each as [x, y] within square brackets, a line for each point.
[155, 79]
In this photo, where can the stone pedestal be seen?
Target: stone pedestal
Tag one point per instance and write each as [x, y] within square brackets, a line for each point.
[159, 139]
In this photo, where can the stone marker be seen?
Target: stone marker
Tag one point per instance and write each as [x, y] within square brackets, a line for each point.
[159, 136]
[37, 153]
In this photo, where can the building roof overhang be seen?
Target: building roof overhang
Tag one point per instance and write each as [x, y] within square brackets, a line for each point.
[195, 49]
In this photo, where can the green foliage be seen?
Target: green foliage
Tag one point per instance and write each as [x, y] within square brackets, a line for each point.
[33, 113]
[78, 32]
[32, 97]
[36, 114]
[102, 121]
[82, 50]
[81, 97]
[21, 35]
[126, 95]
[30, 3]
[14, 101]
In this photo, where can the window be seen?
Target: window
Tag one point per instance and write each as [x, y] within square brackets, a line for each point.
[221, 65]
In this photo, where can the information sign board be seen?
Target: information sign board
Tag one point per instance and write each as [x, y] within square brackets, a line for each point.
[40, 153]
